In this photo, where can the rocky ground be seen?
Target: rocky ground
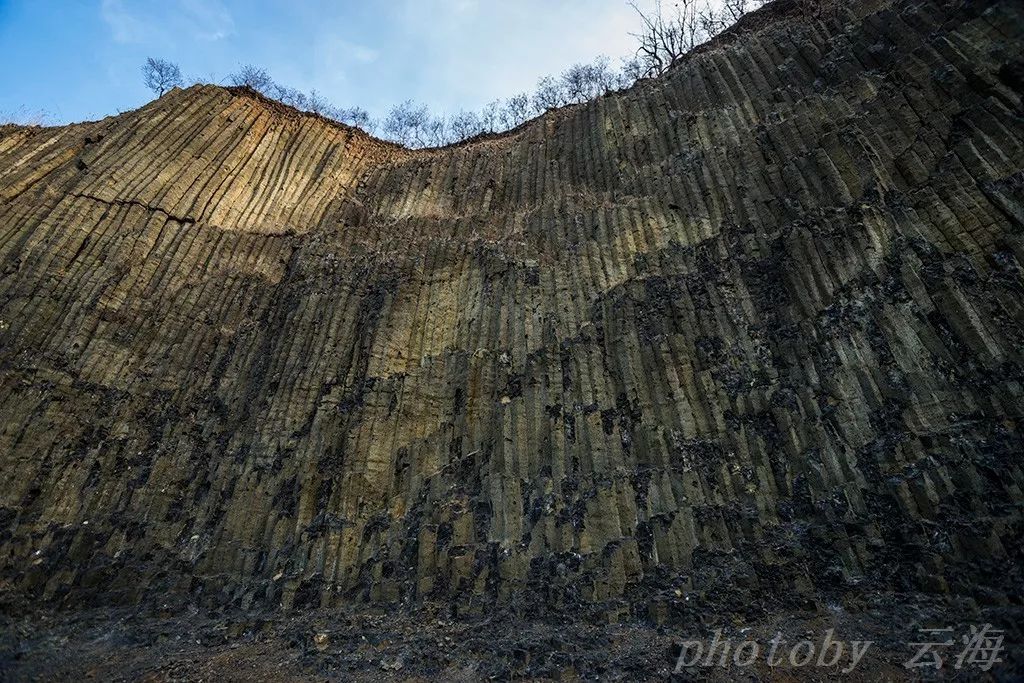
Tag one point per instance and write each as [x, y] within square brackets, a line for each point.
[185, 643]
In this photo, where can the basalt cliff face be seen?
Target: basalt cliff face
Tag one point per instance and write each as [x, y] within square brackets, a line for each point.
[750, 331]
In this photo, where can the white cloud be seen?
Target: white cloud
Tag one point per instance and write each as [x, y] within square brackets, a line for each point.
[125, 26]
[330, 64]
[138, 22]
[358, 53]
[209, 20]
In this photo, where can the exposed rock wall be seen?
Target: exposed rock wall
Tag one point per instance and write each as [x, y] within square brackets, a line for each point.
[757, 324]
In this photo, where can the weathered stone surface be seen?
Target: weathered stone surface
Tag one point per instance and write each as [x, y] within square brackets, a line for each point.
[750, 331]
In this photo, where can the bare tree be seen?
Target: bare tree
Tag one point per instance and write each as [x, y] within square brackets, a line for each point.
[159, 75]
[435, 133]
[412, 125]
[665, 38]
[356, 116]
[734, 10]
[576, 83]
[464, 125]
[400, 122]
[290, 96]
[548, 95]
[714, 20]
[515, 111]
[490, 116]
[631, 70]
[23, 116]
[583, 82]
[318, 104]
[197, 79]
[254, 77]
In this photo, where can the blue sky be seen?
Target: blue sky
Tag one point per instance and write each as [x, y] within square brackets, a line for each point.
[80, 60]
